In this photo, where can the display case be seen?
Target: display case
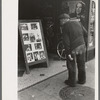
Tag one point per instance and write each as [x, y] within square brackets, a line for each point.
[33, 44]
[91, 28]
[91, 31]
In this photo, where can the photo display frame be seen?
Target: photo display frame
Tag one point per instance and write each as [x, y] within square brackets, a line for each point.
[33, 43]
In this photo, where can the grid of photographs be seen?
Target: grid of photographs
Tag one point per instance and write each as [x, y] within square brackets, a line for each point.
[33, 43]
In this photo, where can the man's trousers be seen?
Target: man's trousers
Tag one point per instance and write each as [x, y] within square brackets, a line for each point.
[79, 62]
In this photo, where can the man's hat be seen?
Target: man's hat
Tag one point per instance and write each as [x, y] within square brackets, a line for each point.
[63, 16]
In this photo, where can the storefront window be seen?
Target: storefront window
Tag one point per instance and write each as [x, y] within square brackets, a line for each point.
[76, 9]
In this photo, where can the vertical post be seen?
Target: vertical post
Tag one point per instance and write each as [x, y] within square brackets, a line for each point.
[27, 69]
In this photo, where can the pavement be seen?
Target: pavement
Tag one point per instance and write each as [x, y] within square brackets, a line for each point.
[49, 89]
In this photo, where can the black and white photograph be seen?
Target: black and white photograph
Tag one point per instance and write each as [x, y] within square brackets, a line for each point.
[42, 55]
[28, 47]
[38, 38]
[25, 37]
[38, 46]
[29, 57]
[61, 66]
[36, 56]
[24, 27]
[34, 26]
[32, 37]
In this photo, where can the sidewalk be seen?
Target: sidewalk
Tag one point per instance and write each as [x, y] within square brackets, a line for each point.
[49, 89]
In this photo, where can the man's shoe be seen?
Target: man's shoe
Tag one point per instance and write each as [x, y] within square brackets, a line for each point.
[81, 82]
[68, 83]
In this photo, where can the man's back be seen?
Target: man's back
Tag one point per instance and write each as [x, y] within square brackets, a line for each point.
[73, 34]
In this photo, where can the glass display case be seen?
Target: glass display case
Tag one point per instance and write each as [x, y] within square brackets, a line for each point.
[91, 28]
[91, 31]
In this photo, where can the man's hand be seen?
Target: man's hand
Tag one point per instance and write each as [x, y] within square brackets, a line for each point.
[70, 57]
